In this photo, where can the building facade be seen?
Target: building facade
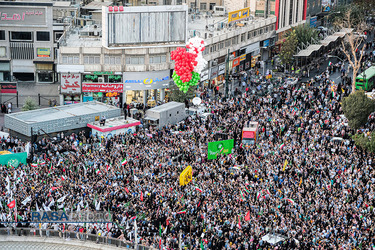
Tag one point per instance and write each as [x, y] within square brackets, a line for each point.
[98, 63]
[26, 42]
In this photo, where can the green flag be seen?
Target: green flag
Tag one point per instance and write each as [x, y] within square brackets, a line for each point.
[160, 229]
[202, 247]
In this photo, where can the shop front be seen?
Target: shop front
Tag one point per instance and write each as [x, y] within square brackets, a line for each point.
[145, 87]
[103, 86]
[44, 66]
[70, 88]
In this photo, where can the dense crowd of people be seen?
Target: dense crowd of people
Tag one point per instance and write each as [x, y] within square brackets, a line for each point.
[303, 178]
[317, 190]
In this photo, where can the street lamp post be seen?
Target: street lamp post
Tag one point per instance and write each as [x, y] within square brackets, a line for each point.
[227, 76]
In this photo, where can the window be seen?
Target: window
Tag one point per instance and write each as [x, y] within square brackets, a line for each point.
[243, 37]
[206, 51]
[266, 29]
[112, 60]
[158, 59]
[203, 6]
[70, 59]
[255, 33]
[21, 36]
[227, 43]
[260, 31]
[58, 35]
[135, 60]
[2, 34]
[248, 35]
[234, 40]
[42, 36]
[91, 59]
[3, 52]
[221, 46]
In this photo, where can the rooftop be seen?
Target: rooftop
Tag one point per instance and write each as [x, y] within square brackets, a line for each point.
[61, 112]
[114, 124]
[166, 106]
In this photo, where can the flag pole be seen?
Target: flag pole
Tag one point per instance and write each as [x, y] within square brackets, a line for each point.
[135, 234]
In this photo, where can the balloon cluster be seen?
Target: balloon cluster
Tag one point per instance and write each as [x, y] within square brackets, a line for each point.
[188, 64]
[184, 86]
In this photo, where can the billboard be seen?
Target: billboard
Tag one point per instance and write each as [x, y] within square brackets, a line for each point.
[219, 147]
[238, 15]
[23, 16]
[43, 52]
[144, 25]
[146, 80]
[101, 87]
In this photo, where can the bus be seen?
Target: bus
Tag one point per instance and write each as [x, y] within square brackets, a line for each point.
[366, 79]
[250, 133]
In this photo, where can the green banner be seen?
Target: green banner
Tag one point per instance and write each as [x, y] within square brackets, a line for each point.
[219, 147]
[13, 159]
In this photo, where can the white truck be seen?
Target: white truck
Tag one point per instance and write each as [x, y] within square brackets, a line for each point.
[169, 113]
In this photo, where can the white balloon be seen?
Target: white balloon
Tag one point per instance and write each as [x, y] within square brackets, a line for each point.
[201, 63]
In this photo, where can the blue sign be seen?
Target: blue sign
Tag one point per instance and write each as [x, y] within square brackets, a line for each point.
[313, 21]
[266, 43]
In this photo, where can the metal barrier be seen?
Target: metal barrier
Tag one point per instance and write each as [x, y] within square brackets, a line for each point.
[36, 232]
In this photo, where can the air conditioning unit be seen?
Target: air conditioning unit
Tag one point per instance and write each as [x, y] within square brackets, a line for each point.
[101, 79]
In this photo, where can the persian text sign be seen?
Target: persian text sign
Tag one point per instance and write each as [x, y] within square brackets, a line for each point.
[102, 87]
[219, 147]
[22, 16]
[186, 176]
[238, 15]
[70, 83]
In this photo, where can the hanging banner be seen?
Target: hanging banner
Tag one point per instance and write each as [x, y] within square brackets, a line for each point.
[13, 160]
[238, 15]
[219, 147]
[186, 176]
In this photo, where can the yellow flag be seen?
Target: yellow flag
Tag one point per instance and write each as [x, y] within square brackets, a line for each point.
[300, 182]
[285, 163]
[186, 176]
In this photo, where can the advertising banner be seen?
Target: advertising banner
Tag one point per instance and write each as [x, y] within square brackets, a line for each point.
[146, 80]
[8, 87]
[219, 147]
[43, 52]
[102, 87]
[70, 83]
[238, 15]
[13, 160]
[186, 176]
[23, 16]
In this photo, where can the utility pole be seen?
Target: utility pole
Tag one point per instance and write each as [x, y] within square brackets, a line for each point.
[227, 76]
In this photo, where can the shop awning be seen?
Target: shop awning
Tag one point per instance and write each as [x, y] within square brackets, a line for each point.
[43, 60]
[309, 50]
[328, 40]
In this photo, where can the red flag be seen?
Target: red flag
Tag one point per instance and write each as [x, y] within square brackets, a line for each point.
[12, 204]
[167, 222]
[141, 196]
[63, 227]
[247, 217]
[54, 188]
[127, 190]
[160, 244]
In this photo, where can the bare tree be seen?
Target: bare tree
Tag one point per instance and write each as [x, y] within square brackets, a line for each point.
[351, 44]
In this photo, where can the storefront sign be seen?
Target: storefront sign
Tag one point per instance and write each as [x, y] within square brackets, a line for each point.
[204, 75]
[214, 72]
[313, 21]
[8, 87]
[238, 15]
[146, 80]
[43, 52]
[222, 69]
[236, 62]
[103, 73]
[70, 83]
[266, 43]
[22, 16]
[240, 68]
[247, 65]
[252, 47]
[243, 57]
[102, 87]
